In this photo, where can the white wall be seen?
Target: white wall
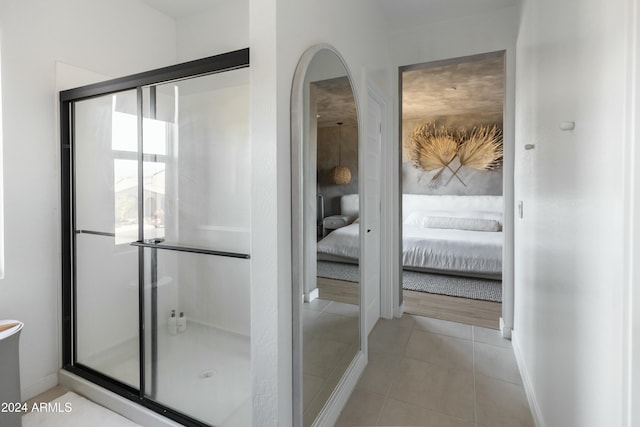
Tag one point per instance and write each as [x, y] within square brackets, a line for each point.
[113, 38]
[283, 29]
[222, 28]
[569, 245]
[488, 32]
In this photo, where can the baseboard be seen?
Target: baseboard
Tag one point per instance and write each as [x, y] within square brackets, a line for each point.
[526, 381]
[506, 332]
[330, 413]
[128, 409]
[398, 311]
[313, 294]
[46, 383]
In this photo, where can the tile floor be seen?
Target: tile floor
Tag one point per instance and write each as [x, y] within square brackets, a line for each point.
[331, 333]
[434, 373]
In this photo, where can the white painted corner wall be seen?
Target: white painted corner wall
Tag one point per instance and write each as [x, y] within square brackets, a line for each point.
[570, 244]
[36, 34]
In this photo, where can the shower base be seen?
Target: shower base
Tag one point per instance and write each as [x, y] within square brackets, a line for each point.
[203, 372]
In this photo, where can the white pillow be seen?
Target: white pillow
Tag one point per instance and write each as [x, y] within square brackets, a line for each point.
[419, 217]
[471, 224]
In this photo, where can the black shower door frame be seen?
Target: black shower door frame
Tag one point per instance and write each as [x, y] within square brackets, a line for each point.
[202, 67]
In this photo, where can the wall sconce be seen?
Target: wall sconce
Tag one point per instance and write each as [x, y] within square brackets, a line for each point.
[340, 175]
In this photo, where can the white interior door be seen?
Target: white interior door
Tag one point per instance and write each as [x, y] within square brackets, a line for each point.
[371, 252]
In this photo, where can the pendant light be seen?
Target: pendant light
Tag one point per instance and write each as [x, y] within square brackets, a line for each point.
[340, 175]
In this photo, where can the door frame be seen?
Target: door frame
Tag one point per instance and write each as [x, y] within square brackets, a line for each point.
[374, 230]
[508, 119]
[389, 249]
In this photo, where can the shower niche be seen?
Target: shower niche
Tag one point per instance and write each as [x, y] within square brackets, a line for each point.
[155, 233]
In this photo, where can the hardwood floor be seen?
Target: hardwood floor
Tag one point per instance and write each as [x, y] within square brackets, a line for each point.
[462, 310]
[338, 290]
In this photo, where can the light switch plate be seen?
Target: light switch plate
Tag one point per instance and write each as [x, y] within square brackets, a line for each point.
[521, 209]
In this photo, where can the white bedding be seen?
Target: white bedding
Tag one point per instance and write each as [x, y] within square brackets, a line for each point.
[452, 251]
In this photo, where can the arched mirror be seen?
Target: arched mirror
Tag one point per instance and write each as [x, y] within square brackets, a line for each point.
[326, 233]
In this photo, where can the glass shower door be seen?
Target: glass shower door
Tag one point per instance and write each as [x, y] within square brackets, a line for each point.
[155, 238]
[106, 221]
[196, 230]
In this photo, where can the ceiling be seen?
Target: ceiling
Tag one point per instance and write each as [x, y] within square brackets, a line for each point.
[427, 90]
[178, 9]
[335, 102]
[401, 14]
[473, 85]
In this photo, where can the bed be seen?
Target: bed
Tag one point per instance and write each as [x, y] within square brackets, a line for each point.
[460, 235]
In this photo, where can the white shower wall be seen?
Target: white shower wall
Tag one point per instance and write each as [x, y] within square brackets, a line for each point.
[215, 179]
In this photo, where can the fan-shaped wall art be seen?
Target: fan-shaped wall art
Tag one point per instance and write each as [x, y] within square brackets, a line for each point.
[434, 147]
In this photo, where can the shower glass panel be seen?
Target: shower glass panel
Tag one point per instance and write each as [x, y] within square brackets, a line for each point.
[197, 197]
[202, 368]
[106, 221]
[155, 206]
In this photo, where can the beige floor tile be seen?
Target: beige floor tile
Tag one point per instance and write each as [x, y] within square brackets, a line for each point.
[344, 362]
[342, 328]
[406, 321]
[440, 350]
[445, 390]
[343, 309]
[317, 304]
[315, 407]
[330, 326]
[47, 396]
[501, 404]
[496, 362]
[320, 356]
[396, 413]
[390, 337]
[320, 400]
[379, 374]
[424, 368]
[443, 327]
[490, 336]
[313, 322]
[362, 409]
[311, 386]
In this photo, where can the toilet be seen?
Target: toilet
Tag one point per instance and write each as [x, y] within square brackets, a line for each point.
[10, 412]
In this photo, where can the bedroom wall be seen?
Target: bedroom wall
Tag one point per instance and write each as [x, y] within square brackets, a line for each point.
[471, 182]
[571, 246]
[328, 155]
[280, 31]
[129, 37]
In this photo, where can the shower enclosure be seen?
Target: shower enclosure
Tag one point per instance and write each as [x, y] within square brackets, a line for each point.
[155, 231]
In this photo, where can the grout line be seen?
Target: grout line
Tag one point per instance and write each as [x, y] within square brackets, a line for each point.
[393, 377]
[384, 403]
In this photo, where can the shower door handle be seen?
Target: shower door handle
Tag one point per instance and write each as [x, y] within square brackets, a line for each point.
[159, 244]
